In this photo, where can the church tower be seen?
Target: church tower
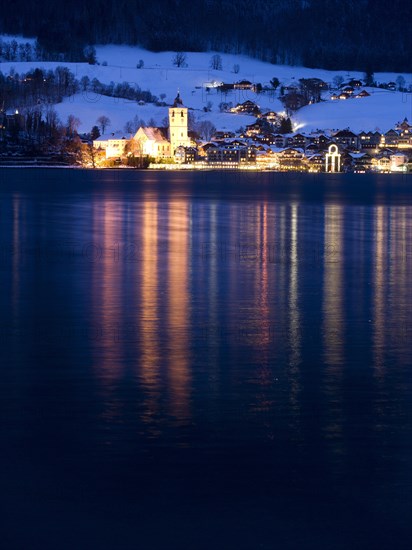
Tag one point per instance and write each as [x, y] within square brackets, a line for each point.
[178, 125]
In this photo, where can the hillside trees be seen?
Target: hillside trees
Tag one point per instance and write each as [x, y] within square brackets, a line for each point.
[331, 34]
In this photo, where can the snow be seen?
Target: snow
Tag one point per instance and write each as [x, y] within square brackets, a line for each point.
[89, 107]
[380, 111]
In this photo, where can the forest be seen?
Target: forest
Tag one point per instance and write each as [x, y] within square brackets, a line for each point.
[366, 35]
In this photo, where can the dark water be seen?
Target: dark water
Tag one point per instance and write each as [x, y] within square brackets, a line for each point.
[198, 361]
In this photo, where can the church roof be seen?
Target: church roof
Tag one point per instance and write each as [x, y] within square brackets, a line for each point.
[155, 134]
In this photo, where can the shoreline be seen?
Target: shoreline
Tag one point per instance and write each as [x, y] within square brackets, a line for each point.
[196, 170]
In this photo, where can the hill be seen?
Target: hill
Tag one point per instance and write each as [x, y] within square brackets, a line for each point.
[381, 110]
[332, 34]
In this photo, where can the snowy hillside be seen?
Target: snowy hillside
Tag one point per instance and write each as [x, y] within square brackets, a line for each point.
[159, 75]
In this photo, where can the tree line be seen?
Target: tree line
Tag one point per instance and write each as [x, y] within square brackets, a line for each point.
[331, 34]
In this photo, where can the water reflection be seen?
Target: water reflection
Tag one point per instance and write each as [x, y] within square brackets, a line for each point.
[380, 269]
[205, 307]
[107, 293]
[333, 259]
[246, 339]
[148, 316]
[178, 310]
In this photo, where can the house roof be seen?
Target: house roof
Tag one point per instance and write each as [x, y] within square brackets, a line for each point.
[363, 93]
[113, 135]
[345, 134]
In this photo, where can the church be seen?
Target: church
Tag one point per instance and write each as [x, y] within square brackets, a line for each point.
[165, 142]
[160, 143]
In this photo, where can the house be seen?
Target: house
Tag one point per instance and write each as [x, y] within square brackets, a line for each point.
[253, 129]
[405, 134]
[270, 117]
[404, 126]
[297, 140]
[292, 159]
[381, 163]
[316, 162]
[243, 85]
[361, 162]
[363, 93]
[279, 140]
[247, 107]
[347, 139]
[186, 155]
[113, 144]
[223, 135]
[355, 83]
[228, 155]
[398, 162]
[320, 141]
[390, 138]
[268, 158]
[225, 88]
[293, 101]
[369, 140]
[267, 138]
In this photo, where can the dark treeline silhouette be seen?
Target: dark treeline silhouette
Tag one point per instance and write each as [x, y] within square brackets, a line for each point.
[332, 34]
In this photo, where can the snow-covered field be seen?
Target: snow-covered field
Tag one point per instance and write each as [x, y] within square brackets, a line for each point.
[379, 112]
[88, 107]
[382, 110]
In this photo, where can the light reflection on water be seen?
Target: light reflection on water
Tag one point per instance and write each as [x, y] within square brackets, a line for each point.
[260, 333]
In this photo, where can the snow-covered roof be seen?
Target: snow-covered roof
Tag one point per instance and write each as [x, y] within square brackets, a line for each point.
[155, 134]
[113, 135]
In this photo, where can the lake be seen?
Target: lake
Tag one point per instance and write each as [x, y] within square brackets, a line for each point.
[205, 360]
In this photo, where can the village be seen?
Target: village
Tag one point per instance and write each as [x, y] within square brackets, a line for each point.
[259, 146]
[272, 139]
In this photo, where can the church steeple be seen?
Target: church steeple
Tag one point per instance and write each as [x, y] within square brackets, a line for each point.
[178, 124]
[178, 100]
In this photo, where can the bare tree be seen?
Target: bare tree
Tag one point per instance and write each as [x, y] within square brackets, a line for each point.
[135, 148]
[191, 122]
[180, 59]
[132, 126]
[103, 122]
[206, 129]
[400, 81]
[89, 155]
[73, 124]
[84, 83]
[216, 62]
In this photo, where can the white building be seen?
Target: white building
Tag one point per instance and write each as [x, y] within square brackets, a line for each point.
[178, 126]
[114, 144]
